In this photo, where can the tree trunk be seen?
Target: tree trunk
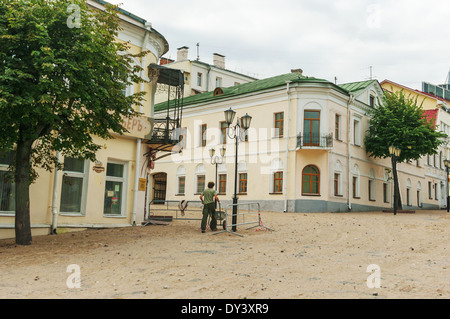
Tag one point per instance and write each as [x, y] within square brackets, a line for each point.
[396, 186]
[22, 184]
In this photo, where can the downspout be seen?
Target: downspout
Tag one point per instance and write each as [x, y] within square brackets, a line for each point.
[287, 147]
[55, 196]
[148, 28]
[349, 200]
[207, 78]
[136, 180]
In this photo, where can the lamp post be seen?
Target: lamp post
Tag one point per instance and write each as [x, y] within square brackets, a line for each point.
[395, 154]
[215, 160]
[447, 166]
[234, 133]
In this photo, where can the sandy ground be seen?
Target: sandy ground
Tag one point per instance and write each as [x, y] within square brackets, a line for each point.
[306, 256]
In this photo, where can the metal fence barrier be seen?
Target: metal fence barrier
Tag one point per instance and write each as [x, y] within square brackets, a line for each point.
[242, 218]
[168, 210]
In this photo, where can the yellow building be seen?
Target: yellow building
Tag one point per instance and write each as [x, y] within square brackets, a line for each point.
[304, 150]
[111, 192]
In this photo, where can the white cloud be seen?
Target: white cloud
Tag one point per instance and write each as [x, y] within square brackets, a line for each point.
[406, 41]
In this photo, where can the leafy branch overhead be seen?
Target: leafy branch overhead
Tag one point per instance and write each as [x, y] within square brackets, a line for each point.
[59, 86]
[399, 120]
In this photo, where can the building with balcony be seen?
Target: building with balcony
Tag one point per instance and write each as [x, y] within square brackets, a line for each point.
[111, 192]
[304, 150]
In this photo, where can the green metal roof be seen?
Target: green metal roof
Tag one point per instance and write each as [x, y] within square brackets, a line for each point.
[245, 88]
[355, 87]
[264, 84]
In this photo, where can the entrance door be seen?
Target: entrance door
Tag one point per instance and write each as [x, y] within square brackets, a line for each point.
[159, 186]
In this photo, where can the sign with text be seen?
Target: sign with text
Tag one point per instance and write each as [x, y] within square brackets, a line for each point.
[138, 126]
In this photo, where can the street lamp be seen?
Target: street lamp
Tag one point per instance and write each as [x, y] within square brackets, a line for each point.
[234, 132]
[447, 166]
[395, 154]
[215, 160]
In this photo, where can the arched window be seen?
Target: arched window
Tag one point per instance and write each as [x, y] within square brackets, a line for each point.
[311, 180]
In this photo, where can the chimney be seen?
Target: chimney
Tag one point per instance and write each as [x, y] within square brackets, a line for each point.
[182, 53]
[299, 71]
[219, 60]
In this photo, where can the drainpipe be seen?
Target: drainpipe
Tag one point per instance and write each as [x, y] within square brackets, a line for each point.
[287, 147]
[349, 200]
[136, 180]
[207, 78]
[55, 196]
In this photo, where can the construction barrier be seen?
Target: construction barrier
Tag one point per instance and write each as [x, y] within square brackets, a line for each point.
[164, 211]
[248, 217]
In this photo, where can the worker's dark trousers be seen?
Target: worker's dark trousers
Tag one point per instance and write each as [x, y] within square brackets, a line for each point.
[209, 210]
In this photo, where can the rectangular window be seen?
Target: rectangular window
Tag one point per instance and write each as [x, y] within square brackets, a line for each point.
[337, 178]
[279, 124]
[311, 128]
[115, 189]
[355, 187]
[430, 191]
[278, 182]
[223, 130]
[243, 183]
[218, 82]
[73, 190]
[203, 135]
[372, 190]
[435, 191]
[372, 101]
[337, 127]
[181, 185]
[200, 183]
[356, 133]
[385, 193]
[199, 79]
[222, 184]
[7, 188]
[408, 197]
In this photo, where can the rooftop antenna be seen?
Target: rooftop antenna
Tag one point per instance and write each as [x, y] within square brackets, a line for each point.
[198, 51]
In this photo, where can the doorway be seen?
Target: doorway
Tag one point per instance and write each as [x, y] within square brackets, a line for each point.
[159, 187]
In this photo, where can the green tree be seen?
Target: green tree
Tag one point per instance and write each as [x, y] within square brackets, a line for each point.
[399, 121]
[62, 76]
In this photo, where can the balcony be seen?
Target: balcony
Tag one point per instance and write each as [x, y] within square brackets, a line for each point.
[315, 141]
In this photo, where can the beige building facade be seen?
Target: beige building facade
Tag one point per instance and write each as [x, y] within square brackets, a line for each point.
[111, 192]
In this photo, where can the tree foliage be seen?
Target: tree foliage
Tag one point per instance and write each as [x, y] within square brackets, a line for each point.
[59, 86]
[399, 120]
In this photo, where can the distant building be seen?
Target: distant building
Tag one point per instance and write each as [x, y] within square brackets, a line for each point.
[200, 77]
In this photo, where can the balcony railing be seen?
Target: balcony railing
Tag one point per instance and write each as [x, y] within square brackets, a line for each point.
[315, 140]
[164, 131]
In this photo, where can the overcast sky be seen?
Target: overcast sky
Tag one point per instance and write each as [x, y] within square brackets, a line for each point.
[406, 41]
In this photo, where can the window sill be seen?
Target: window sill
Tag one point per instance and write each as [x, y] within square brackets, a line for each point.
[242, 193]
[356, 197]
[180, 194]
[312, 195]
[278, 193]
[114, 216]
[336, 195]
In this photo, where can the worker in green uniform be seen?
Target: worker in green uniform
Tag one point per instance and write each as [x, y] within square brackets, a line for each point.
[208, 198]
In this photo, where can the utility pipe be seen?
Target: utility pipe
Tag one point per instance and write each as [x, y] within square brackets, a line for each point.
[287, 147]
[136, 180]
[349, 200]
[55, 196]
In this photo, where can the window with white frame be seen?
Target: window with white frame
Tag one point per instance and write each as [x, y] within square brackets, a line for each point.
[357, 132]
[419, 194]
[181, 180]
[200, 178]
[74, 186]
[337, 181]
[355, 182]
[277, 172]
[371, 184]
[115, 189]
[386, 188]
[7, 188]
